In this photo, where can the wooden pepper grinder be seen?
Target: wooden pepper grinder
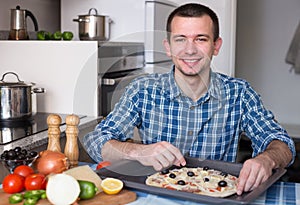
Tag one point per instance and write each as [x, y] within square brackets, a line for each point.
[53, 122]
[71, 148]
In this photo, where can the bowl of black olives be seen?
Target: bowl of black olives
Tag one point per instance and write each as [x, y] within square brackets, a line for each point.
[18, 156]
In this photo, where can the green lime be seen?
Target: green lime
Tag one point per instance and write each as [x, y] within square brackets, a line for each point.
[56, 36]
[87, 189]
[43, 35]
[67, 35]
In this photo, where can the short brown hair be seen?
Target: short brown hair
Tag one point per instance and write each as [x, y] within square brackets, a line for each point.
[194, 10]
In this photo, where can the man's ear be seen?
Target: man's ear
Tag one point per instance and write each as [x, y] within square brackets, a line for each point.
[217, 44]
[167, 47]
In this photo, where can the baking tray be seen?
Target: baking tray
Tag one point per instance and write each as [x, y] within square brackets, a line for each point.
[134, 174]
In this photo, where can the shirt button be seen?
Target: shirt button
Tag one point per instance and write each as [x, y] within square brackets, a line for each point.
[190, 132]
[192, 107]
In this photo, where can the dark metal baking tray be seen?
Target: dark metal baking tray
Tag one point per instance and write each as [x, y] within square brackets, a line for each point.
[133, 174]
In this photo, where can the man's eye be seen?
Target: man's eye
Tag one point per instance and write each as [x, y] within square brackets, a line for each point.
[201, 39]
[179, 40]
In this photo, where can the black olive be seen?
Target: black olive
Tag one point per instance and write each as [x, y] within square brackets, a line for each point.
[165, 171]
[21, 157]
[181, 182]
[18, 149]
[222, 183]
[33, 154]
[190, 173]
[206, 179]
[4, 155]
[11, 163]
[205, 168]
[24, 151]
[224, 174]
[172, 175]
[11, 154]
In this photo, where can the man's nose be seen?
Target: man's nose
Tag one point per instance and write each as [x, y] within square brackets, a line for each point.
[190, 47]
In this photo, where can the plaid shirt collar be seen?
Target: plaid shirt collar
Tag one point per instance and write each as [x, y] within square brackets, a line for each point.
[214, 89]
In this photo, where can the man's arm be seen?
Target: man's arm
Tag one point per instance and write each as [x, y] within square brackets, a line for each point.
[159, 155]
[259, 169]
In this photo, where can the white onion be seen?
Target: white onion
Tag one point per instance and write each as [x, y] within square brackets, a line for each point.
[62, 189]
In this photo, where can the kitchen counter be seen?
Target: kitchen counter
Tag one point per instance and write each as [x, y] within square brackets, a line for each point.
[41, 138]
[39, 141]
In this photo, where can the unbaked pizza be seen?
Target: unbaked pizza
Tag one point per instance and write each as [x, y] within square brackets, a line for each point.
[198, 180]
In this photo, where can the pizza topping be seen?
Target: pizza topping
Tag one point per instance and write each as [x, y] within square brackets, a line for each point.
[165, 171]
[205, 168]
[224, 174]
[181, 182]
[222, 183]
[172, 175]
[190, 173]
[206, 179]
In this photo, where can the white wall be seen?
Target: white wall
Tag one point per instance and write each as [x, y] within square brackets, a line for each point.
[47, 13]
[264, 31]
[66, 69]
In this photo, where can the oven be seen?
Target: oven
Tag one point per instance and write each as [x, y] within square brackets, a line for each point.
[119, 64]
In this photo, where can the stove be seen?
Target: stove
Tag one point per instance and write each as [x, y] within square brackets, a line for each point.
[13, 130]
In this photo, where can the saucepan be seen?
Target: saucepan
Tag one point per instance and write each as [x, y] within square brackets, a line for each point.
[16, 98]
[93, 26]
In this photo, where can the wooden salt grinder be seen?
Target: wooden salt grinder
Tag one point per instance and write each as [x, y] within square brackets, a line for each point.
[71, 148]
[53, 122]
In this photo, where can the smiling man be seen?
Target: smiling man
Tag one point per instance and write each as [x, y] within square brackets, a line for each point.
[192, 110]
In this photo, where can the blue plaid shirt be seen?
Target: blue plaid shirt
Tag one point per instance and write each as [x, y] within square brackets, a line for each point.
[209, 128]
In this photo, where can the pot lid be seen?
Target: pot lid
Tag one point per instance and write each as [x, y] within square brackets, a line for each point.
[17, 83]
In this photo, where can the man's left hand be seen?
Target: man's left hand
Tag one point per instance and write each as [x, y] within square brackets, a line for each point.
[254, 172]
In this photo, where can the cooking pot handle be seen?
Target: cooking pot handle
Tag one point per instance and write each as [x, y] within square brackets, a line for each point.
[93, 9]
[2, 79]
[82, 20]
[38, 90]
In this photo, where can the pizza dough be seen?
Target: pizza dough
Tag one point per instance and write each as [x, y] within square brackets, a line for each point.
[198, 180]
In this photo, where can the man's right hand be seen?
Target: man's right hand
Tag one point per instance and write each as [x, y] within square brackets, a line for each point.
[160, 155]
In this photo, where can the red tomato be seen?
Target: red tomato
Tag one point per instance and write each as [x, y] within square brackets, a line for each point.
[23, 170]
[35, 182]
[13, 183]
[103, 164]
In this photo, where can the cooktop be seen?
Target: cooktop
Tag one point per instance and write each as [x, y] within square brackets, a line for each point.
[12, 130]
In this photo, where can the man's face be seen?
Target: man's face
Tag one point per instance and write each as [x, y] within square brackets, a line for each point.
[191, 44]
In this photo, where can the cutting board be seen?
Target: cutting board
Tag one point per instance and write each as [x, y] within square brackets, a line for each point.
[125, 196]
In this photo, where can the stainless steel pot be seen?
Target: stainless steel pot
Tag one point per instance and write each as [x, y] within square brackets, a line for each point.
[94, 26]
[15, 98]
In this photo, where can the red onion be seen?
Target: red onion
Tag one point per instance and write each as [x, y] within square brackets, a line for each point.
[52, 162]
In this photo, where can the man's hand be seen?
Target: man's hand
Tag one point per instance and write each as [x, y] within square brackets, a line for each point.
[254, 172]
[257, 170]
[160, 155]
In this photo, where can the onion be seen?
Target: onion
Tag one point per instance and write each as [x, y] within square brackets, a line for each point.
[62, 189]
[52, 162]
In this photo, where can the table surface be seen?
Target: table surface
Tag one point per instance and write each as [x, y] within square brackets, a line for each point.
[285, 193]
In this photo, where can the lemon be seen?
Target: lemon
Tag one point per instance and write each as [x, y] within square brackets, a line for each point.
[111, 185]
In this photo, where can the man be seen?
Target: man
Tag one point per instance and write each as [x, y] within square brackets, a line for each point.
[192, 110]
